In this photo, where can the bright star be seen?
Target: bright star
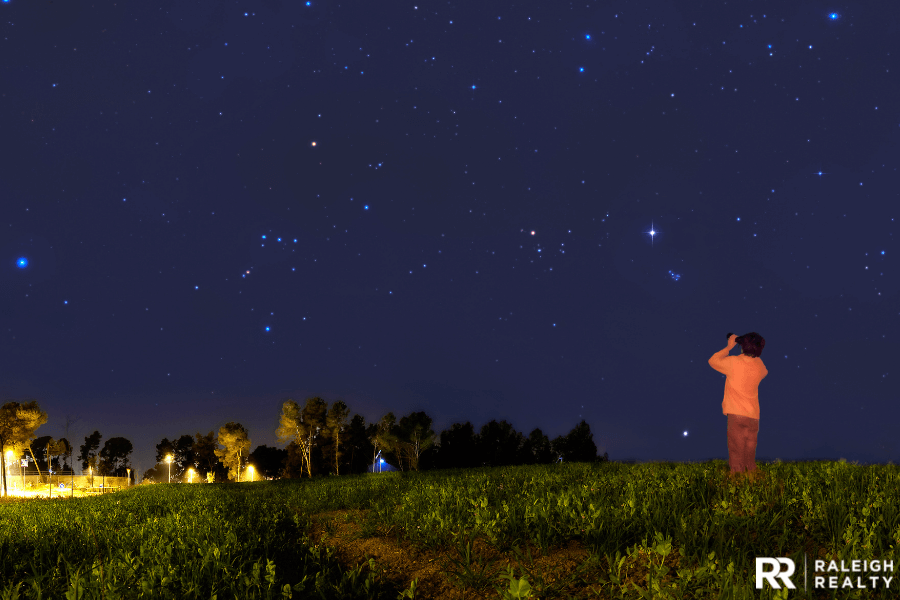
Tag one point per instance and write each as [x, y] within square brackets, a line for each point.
[22, 262]
[652, 233]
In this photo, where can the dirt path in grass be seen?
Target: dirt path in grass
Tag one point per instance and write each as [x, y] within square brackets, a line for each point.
[568, 571]
[402, 562]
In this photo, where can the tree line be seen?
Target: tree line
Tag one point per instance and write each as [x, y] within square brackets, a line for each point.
[320, 439]
[20, 420]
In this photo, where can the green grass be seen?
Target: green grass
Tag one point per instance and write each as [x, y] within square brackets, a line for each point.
[661, 529]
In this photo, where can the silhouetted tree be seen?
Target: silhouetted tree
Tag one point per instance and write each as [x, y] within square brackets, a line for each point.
[577, 446]
[61, 448]
[156, 474]
[185, 457]
[268, 461]
[89, 450]
[39, 449]
[429, 458]
[114, 457]
[335, 423]
[44, 450]
[536, 449]
[164, 449]
[458, 447]
[359, 448]
[499, 444]
[413, 436]
[205, 459]
[182, 452]
[294, 462]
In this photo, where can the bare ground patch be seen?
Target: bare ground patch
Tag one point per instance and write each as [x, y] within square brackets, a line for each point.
[567, 571]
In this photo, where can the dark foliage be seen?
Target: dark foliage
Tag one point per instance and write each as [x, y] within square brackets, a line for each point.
[359, 449]
[89, 449]
[114, 457]
[182, 452]
[268, 461]
[536, 450]
[499, 444]
[458, 447]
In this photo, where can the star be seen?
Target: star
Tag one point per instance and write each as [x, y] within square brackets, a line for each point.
[652, 233]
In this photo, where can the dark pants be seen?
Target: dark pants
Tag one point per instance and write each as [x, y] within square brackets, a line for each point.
[742, 443]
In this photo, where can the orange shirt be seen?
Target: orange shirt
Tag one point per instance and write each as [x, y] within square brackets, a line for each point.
[742, 377]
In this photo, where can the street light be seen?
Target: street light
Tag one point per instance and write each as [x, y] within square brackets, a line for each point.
[169, 460]
[190, 476]
[250, 471]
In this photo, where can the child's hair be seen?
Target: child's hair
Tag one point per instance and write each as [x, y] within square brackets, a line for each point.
[752, 343]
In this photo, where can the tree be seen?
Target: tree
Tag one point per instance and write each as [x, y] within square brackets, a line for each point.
[537, 449]
[293, 463]
[577, 446]
[155, 474]
[44, 448]
[163, 449]
[358, 445]
[302, 427]
[18, 422]
[414, 436]
[384, 440]
[236, 442]
[63, 448]
[268, 461]
[39, 450]
[335, 422]
[89, 449]
[114, 457]
[499, 444]
[205, 458]
[458, 447]
[182, 452]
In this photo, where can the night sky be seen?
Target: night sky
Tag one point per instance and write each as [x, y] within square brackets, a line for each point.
[541, 212]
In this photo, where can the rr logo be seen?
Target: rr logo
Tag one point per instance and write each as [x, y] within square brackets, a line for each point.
[782, 569]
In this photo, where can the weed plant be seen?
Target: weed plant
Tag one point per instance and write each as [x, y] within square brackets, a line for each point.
[658, 530]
